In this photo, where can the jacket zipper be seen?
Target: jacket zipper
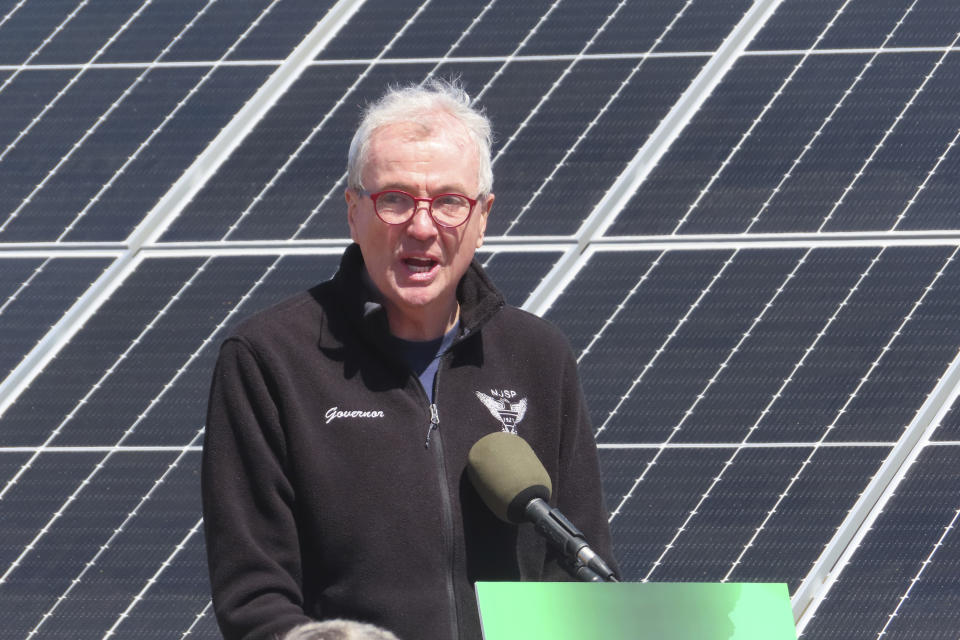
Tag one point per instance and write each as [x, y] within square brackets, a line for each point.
[447, 510]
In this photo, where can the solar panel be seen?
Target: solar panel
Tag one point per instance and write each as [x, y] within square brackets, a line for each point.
[742, 214]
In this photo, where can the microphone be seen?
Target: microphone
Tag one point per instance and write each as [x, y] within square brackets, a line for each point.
[512, 482]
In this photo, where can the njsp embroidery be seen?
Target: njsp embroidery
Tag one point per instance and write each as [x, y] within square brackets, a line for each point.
[503, 408]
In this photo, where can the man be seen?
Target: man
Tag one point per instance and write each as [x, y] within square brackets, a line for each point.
[339, 423]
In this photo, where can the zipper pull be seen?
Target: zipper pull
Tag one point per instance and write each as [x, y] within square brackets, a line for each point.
[434, 424]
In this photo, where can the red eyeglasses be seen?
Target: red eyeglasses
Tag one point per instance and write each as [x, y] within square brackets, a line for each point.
[446, 209]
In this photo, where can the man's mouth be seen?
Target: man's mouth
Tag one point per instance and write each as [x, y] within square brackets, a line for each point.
[419, 265]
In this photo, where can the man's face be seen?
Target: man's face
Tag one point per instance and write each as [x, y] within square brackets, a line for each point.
[416, 265]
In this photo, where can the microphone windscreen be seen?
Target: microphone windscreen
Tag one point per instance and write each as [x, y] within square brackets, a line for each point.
[507, 474]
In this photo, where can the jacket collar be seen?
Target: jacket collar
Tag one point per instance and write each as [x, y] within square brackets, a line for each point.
[479, 299]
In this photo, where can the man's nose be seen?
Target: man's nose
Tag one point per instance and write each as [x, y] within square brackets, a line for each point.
[422, 224]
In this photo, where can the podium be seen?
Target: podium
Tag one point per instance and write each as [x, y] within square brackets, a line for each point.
[635, 611]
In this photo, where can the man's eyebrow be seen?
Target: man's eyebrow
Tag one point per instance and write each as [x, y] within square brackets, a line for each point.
[399, 186]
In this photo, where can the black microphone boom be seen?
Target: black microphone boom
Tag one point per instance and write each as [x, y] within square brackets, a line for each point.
[512, 482]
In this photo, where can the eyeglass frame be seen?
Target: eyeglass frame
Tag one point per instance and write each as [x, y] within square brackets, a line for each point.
[373, 197]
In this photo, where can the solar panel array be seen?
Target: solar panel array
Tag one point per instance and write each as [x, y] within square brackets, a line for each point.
[743, 214]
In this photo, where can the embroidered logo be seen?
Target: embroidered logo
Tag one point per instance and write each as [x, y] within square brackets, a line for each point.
[334, 412]
[503, 408]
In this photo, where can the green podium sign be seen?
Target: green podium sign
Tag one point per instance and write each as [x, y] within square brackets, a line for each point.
[635, 611]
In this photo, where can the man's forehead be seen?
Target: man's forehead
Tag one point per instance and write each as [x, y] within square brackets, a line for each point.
[436, 124]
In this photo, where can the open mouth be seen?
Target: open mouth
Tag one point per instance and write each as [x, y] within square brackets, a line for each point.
[420, 265]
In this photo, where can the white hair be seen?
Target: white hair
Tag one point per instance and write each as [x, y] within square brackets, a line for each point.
[338, 630]
[420, 104]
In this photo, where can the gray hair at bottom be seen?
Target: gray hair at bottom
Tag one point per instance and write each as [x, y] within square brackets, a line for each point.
[418, 103]
[338, 630]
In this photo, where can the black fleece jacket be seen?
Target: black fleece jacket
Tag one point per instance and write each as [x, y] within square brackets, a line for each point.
[333, 488]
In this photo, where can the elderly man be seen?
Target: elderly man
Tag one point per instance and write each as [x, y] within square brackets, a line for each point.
[339, 423]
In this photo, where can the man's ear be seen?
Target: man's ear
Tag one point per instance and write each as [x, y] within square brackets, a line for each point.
[484, 211]
[353, 201]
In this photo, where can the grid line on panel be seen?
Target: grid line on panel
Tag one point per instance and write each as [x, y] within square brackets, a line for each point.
[853, 444]
[926, 180]
[730, 461]
[46, 41]
[923, 566]
[861, 518]
[661, 349]
[826, 121]
[216, 152]
[863, 380]
[206, 610]
[100, 383]
[12, 11]
[647, 156]
[621, 306]
[76, 77]
[513, 54]
[180, 546]
[113, 536]
[131, 429]
[886, 134]
[753, 125]
[316, 129]
[23, 285]
[555, 57]
[586, 132]
[173, 113]
[101, 120]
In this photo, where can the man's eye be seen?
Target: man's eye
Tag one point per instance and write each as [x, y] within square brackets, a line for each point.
[449, 201]
[394, 199]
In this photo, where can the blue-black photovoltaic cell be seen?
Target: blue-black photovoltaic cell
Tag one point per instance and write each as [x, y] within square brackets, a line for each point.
[157, 27]
[856, 338]
[617, 358]
[29, 26]
[662, 200]
[86, 34]
[772, 182]
[710, 546]
[24, 98]
[809, 515]
[228, 198]
[377, 22]
[683, 369]
[279, 31]
[883, 195]
[889, 563]
[117, 485]
[796, 24]
[701, 28]
[543, 189]
[44, 405]
[863, 23]
[75, 194]
[180, 594]
[517, 274]
[224, 23]
[168, 517]
[949, 428]
[646, 521]
[852, 135]
[34, 293]
[664, 354]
